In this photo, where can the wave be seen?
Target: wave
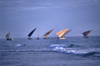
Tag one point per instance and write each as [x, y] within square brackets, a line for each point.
[67, 49]
[20, 45]
[75, 51]
[60, 49]
[64, 48]
[60, 45]
[92, 53]
[27, 50]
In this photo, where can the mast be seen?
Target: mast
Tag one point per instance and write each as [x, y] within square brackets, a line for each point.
[61, 33]
[8, 35]
[66, 33]
[87, 32]
[30, 34]
[38, 34]
[46, 34]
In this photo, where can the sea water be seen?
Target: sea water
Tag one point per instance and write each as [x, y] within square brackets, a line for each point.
[73, 51]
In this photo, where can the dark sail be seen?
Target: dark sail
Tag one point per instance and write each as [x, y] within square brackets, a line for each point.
[8, 35]
[87, 32]
[66, 33]
[31, 32]
[46, 34]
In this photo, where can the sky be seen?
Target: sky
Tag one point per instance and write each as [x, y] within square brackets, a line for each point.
[21, 16]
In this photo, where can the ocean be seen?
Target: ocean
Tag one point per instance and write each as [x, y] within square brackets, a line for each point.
[73, 51]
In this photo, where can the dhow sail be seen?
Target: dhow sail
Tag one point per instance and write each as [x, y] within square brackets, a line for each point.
[46, 34]
[30, 34]
[8, 36]
[66, 33]
[61, 33]
[86, 33]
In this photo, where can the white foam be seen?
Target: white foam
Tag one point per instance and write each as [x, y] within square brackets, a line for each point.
[59, 49]
[19, 45]
[59, 45]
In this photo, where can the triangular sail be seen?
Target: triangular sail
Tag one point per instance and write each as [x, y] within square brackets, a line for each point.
[66, 33]
[30, 34]
[8, 35]
[46, 34]
[60, 33]
[87, 32]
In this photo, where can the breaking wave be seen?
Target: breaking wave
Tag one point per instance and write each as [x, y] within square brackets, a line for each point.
[76, 51]
[60, 45]
[67, 49]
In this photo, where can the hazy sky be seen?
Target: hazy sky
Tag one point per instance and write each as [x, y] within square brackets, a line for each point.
[22, 16]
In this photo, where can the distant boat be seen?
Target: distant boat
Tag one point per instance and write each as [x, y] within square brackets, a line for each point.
[7, 36]
[46, 34]
[38, 35]
[30, 34]
[61, 34]
[86, 33]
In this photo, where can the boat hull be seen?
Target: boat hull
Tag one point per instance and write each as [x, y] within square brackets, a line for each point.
[61, 38]
[46, 38]
[30, 38]
[87, 37]
[9, 39]
[37, 38]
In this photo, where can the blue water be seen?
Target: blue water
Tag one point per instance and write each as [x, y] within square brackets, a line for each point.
[73, 51]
